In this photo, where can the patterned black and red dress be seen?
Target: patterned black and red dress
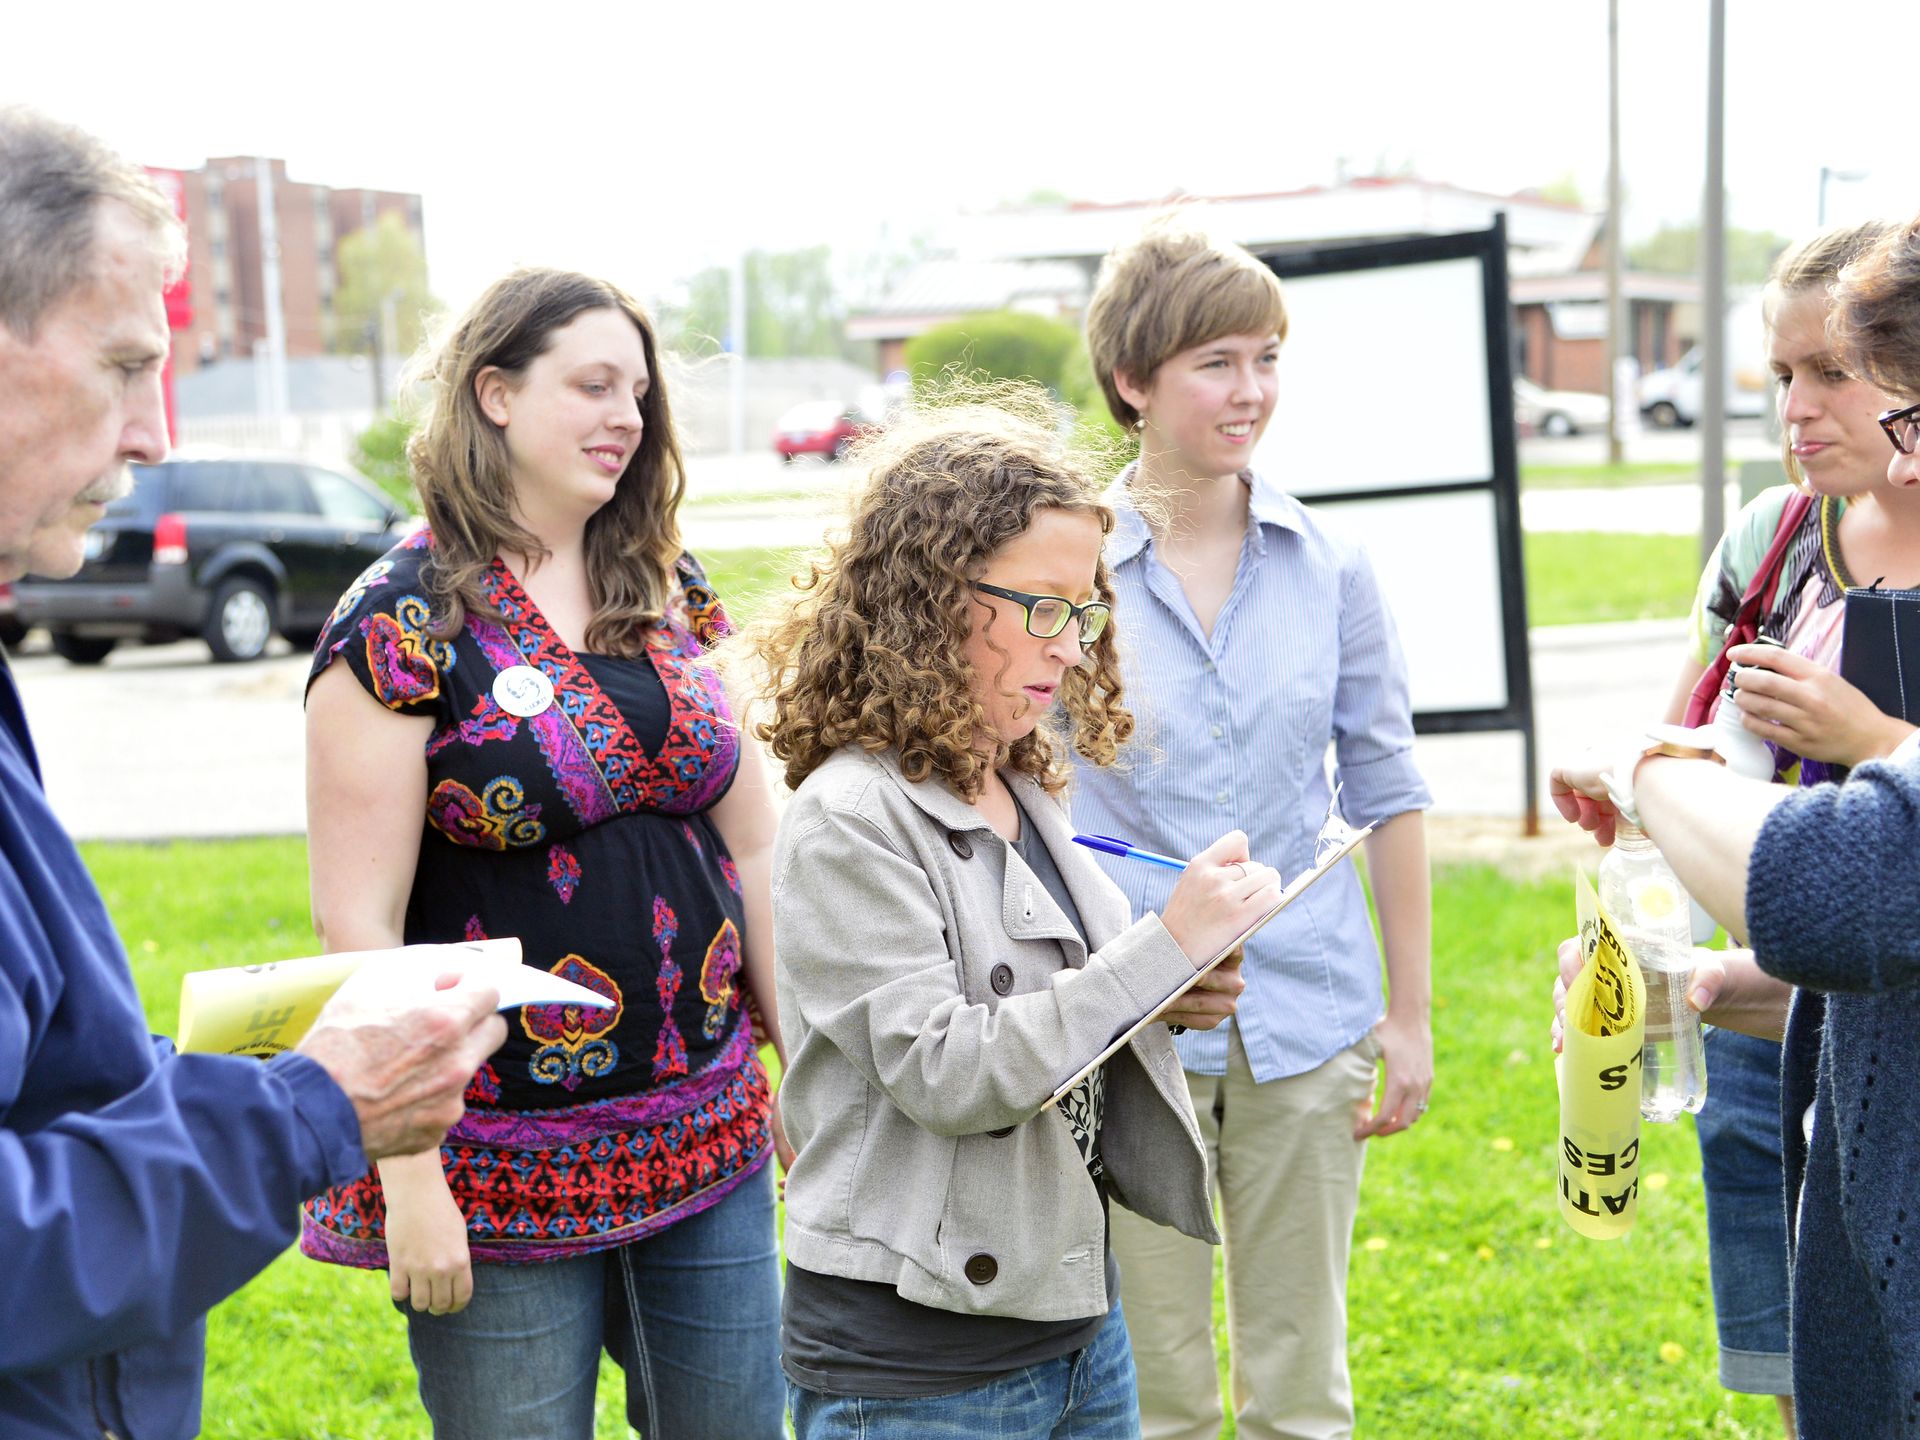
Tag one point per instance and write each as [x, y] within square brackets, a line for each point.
[583, 830]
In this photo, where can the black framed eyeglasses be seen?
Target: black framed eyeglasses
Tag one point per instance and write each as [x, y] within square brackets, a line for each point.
[1902, 427]
[1047, 615]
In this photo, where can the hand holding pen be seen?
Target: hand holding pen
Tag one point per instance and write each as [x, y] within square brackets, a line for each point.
[1221, 891]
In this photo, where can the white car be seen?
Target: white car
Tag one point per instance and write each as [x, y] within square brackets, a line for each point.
[1558, 412]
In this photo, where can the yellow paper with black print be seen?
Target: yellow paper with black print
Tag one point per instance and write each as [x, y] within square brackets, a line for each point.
[261, 1010]
[1599, 1074]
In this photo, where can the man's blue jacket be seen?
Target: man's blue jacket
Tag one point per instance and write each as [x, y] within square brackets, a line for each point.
[138, 1188]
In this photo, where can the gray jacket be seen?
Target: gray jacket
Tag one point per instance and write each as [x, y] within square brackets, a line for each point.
[928, 1017]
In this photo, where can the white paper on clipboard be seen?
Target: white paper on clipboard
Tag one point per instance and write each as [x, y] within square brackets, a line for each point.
[1295, 888]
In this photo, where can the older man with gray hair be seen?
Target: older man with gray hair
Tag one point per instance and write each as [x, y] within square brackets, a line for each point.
[138, 1188]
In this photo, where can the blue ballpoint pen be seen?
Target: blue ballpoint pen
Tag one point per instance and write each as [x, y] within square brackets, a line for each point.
[1113, 845]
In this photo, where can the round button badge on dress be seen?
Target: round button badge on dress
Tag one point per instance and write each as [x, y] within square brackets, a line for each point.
[523, 691]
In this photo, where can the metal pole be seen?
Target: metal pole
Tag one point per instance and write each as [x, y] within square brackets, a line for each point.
[1820, 212]
[389, 331]
[1616, 310]
[277, 405]
[379, 380]
[1713, 277]
[737, 344]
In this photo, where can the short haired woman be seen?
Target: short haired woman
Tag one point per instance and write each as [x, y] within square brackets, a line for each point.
[1259, 639]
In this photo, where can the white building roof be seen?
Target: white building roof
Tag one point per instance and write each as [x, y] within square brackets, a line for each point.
[1353, 210]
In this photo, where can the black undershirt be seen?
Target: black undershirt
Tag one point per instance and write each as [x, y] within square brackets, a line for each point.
[859, 1337]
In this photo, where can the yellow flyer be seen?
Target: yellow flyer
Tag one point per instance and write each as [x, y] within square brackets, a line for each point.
[1599, 1074]
[261, 1010]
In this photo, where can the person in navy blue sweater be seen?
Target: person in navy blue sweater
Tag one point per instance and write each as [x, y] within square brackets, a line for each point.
[1825, 886]
[137, 1187]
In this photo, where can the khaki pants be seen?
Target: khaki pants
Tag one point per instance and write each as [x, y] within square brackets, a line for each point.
[1285, 1170]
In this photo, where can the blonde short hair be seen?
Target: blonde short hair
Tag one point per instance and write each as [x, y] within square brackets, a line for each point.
[1167, 291]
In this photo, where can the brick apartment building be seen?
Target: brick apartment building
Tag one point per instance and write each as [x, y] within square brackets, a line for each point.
[223, 244]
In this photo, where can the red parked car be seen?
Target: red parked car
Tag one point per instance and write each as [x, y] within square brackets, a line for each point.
[817, 427]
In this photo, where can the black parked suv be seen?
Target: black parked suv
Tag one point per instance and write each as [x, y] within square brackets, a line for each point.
[228, 547]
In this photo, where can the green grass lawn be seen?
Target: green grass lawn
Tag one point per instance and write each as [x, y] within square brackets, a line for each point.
[1475, 1311]
[1607, 477]
[1580, 577]
[1573, 577]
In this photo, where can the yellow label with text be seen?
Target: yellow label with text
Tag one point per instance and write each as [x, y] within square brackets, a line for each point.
[261, 1010]
[1599, 1074]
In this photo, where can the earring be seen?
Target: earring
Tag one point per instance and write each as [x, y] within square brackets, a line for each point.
[1140, 424]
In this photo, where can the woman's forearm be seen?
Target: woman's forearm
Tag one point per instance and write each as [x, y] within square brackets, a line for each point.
[1402, 895]
[1706, 821]
[754, 869]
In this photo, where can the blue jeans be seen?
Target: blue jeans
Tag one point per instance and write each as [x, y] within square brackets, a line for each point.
[1740, 1164]
[692, 1315]
[1086, 1395]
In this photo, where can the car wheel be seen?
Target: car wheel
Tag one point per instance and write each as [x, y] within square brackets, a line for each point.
[1556, 425]
[1664, 415]
[241, 621]
[81, 649]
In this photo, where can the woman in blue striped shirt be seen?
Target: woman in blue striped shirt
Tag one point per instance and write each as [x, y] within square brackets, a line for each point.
[1257, 637]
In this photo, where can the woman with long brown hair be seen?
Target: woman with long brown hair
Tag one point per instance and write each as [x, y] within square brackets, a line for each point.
[1837, 526]
[947, 957]
[512, 731]
[1822, 883]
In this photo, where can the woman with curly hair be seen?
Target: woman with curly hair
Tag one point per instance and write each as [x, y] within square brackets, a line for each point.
[947, 957]
[512, 731]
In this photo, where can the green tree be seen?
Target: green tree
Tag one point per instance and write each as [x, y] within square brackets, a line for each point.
[380, 454]
[1010, 345]
[1675, 250]
[1006, 345]
[1565, 189]
[382, 271]
[793, 306]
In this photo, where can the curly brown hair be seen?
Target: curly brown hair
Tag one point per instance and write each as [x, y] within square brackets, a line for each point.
[1875, 322]
[459, 462]
[873, 651]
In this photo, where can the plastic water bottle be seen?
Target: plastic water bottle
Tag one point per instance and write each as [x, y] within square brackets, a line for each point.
[1645, 899]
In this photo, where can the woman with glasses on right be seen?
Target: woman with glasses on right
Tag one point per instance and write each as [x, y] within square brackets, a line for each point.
[1782, 571]
[1824, 884]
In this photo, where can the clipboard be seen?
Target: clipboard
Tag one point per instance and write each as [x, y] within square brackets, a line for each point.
[1349, 842]
[1879, 653]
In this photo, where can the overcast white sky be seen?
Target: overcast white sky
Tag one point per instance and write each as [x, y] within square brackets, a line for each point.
[646, 140]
